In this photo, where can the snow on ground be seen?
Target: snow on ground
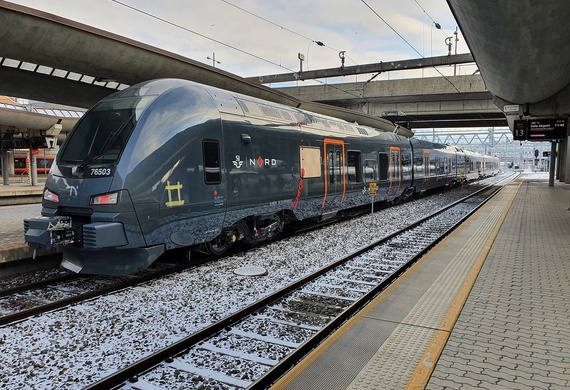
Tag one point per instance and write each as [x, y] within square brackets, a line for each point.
[73, 347]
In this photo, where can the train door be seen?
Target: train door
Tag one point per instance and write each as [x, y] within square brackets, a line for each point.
[395, 170]
[334, 174]
[427, 170]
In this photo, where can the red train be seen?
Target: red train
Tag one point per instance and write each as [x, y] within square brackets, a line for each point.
[22, 163]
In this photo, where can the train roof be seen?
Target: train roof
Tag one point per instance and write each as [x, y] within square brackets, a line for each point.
[238, 107]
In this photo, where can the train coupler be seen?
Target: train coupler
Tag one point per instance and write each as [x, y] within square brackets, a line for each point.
[45, 232]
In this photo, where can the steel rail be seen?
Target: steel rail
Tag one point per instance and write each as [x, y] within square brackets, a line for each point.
[273, 374]
[147, 363]
[39, 284]
[21, 315]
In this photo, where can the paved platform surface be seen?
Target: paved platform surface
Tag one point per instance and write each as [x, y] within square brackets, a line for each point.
[17, 201]
[488, 308]
[21, 193]
[514, 331]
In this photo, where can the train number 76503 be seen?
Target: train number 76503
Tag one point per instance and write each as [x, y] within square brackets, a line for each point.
[100, 171]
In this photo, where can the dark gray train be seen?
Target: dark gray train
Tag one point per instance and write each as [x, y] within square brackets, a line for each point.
[168, 164]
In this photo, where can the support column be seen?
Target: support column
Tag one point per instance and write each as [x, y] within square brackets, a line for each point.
[566, 169]
[33, 168]
[5, 173]
[561, 154]
[552, 163]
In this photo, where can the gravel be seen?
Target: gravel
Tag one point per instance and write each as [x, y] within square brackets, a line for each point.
[73, 347]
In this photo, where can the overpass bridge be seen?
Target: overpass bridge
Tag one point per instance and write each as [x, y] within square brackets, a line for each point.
[436, 102]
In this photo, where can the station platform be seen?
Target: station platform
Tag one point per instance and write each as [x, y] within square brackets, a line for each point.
[488, 308]
[17, 193]
[17, 201]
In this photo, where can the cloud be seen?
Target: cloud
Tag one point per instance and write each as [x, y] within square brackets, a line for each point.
[256, 37]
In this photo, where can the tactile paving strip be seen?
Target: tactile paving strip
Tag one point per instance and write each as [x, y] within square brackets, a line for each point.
[513, 332]
[381, 347]
[395, 362]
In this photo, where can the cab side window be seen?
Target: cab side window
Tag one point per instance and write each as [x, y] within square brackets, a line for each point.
[212, 167]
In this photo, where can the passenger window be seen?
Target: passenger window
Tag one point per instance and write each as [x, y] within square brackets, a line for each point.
[406, 165]
[370, 168]
[330, 165]
[212, 169]
[383, 158]
[338, 167]
[353, 167]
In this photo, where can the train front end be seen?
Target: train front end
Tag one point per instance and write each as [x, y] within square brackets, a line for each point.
[86, 208]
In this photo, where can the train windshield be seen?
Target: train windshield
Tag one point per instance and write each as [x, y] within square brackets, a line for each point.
[103, 132]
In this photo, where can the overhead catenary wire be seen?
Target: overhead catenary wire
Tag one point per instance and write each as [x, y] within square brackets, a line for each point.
[230, 46]
[413, 48]
[391, 28]
[283, 28]
[199, 34]
[433, 21]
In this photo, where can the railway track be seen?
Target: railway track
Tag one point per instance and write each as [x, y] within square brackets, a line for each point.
[40, 296]
[254, 346]
[54, 292]
[20, 302]
[43, 295]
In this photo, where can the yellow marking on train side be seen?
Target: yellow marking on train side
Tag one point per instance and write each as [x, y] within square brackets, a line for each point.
[175, 187]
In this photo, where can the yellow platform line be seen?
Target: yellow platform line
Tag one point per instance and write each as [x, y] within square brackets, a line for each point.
[427, 363]
[286, 379]
[292, 374]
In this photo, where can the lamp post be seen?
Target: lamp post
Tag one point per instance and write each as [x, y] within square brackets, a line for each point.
[456, 40]
[213, 58]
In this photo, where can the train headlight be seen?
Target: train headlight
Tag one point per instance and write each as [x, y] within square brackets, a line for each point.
[51, 196]
[105, 199]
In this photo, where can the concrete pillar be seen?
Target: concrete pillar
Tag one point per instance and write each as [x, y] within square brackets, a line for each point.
[565, 174]
[33, 169]
[560, 167]
[552, 164]
[566, 169]
[5, 174]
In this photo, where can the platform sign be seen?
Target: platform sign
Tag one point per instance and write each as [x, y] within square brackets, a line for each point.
[547, 129]
[520, 130]
[372, 187]
[544, 129]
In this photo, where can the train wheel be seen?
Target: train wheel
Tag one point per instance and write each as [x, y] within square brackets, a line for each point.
[218, 246]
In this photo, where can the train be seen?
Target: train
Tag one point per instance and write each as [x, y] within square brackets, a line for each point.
[172, 164]
[22, 163]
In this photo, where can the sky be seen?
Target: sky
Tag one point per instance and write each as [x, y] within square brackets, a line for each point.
[260, 37]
